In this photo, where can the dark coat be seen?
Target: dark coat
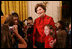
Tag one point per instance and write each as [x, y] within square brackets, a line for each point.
[61, 38]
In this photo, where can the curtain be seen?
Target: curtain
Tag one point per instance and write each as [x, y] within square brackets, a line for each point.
[19, 7]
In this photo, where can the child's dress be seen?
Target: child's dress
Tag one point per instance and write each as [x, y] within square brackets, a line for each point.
[47, 41]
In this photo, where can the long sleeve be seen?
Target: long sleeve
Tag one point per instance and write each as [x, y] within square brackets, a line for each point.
[34, 31]
[53, 25]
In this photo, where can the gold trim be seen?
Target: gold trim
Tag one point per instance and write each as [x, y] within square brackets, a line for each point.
[60, 10]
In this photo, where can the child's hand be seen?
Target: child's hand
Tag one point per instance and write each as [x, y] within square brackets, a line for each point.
[51, 43]
[34, 46]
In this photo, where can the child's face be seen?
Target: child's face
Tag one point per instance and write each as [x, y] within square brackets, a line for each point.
[69, 26]
[25, 22]
[46, 30]
[58, 25]
[30, 22]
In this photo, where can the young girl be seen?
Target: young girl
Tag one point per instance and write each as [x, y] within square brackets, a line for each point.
[50, 36]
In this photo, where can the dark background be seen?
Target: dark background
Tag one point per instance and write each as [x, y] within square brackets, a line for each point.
[66, 11]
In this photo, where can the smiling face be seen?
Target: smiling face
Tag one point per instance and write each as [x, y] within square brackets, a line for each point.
[40, 11]
[15, 20]
[58, 25]
[30, 22]
[46, 30]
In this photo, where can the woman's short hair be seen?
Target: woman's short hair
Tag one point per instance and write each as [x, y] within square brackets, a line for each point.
[40, 5]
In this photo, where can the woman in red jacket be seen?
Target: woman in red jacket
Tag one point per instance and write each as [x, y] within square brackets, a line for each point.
[40, 22]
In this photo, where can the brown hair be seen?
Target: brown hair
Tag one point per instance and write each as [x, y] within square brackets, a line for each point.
[62, 25]
[5, 37]
[9, 20]
[40, 5]
[50, 26]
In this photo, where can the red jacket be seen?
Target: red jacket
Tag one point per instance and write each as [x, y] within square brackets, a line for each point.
[38, 33]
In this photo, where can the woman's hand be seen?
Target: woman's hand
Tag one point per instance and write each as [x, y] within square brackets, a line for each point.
[15, 29]
[23, 43]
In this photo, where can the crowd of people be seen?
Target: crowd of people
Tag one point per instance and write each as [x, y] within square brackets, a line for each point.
[43, 33]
